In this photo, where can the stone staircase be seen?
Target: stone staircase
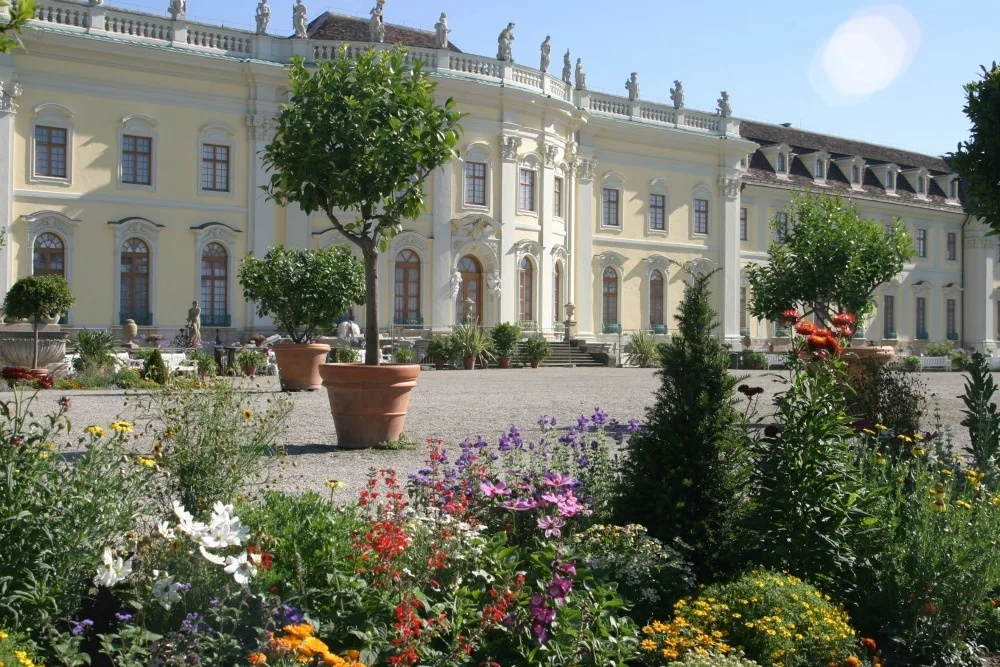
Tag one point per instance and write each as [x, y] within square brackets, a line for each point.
[564, 355]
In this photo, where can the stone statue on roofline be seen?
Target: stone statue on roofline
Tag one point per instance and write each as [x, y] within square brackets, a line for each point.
[263, 17]
[376, 26]
[724, 109]
[300, 20]
[178, 9]
[546, 52]
[504, 41]
[96, 3]
[441, 32]
[567, 68]
[677, 95]
[632, 86]
[581, 78]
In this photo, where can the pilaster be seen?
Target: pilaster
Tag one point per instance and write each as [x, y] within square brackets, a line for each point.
[729, 190]
[98, 18]
[8, 107]
[586, 293]
[508, 206]
[979, 307]
[260, 226]
[545, 312]
[298, 228]
[442, 296]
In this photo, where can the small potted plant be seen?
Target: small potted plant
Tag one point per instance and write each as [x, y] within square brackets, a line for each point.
[37, 298]
[536, 350]
[471, 342]
[505, 336]
[249, 360]
[304, 291]
[439, 350]
[153, 339]
[404, 356]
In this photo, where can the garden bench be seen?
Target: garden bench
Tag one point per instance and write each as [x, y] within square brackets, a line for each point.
[993, 363]
[935, 363]
[774, 359]
[186, 367]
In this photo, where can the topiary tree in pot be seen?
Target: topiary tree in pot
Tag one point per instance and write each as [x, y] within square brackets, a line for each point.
[35, 298]
[505, 336]
[304, 291]
[357, 141]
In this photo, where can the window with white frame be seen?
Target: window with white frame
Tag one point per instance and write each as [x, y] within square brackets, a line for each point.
[52, 145]
[657, 212]
[137, 152]
[557, 196]
[888, 316]
[526, 190]
[951, 319]
[855, 174]
[951, 247]
[782, 164]
[216, 156]
[890, 180]
[50, 151]
[656, 294]
[744, 224]
[921, 243]
[820, 168]
[610, 207]
[921, 185]
[700, 222]
[743, 308]
[475, 183]
[921, 313]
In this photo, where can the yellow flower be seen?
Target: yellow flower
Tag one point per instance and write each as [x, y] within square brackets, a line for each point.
[963, 504]
[334, 483]
[904, 438]
[121, 426]
[145, 461]
[43, 455]
[868, 431]
[247, 414]
[96, 431]
[918, 451]
[939, 506]
[3, 635]
[647, 645]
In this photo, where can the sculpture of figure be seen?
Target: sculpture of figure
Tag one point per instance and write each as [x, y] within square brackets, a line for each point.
[724, 109]
[456, 283]
[567, 68]
[677, 95]
[504, 51]
[546, 52]
[96, 3]
[376, 27]
[263, 17]
[632, 86]
[441, 32]
[178, 9]
[299, 20]
[581, 78]
[194, 326]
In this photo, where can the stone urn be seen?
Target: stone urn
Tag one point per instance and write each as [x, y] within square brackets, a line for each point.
[17, 348]
[129, 331]
[858, 358]
[51, 319]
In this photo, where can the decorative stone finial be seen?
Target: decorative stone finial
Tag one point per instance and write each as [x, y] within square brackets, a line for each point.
[724, 109]
[300, 20]
[632, 86]
[263, 17]
[376, 27]
[677, 95]
[581, 78]
[178, 9]
[504, 51]
[546, 52]
[441, 32]
[567, 68]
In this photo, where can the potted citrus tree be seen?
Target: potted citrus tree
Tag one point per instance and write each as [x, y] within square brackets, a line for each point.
[439, 349]
[505, 336]
[304, 291]
[36, 299]
[357, 140]
[536, 350]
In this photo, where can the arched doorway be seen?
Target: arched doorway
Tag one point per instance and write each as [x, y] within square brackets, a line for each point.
[134, 290]
[472, 288]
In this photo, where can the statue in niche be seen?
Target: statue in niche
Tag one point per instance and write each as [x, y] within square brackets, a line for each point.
[376, 27]
[724, 109]
[677, 95]
[567, 68]
[456, 283]
[581, 78]
[194, 325]
[546, 53]
[300, 20]
[178, 9]
[441, 32]
[263, 17]
[504, 41]
[632, 86]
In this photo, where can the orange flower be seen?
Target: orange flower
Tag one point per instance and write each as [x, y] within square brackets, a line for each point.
[302, 630]
[790, 316]
[804, 328]
[852, 662]
[311, 646]
[257, 659]
[869, 645]
[844, 319]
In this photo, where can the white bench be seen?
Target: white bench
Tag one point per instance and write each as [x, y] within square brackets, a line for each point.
[993, 363]
[774, 359]
[935, 363]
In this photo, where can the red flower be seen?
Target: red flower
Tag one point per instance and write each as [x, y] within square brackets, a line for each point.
[845, 330]
[790, 316]
[804, 328]
[844, 319]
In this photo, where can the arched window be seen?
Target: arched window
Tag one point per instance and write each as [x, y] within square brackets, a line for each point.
[50, 256]
[407, 289]
[610, 296]
[781, 163]
[526, 285]
[472, 288]
[215, 286]
[135, 282]
[557, 292]
[656, 298]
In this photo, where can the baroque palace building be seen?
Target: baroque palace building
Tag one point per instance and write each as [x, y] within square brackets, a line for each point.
[131, 165]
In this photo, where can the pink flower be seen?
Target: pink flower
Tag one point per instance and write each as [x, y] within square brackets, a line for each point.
[491, 490]
[558, 480]
[520, 505]
[551, 526]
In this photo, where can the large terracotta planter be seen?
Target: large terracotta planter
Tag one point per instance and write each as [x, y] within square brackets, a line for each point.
[438, 365]
[470, 363]
[368, 403]
[858, 358]
[298, 366]
[535, 363]
[503, 362]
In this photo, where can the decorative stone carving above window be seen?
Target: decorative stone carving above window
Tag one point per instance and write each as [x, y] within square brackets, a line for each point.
[586, 169]
[922, 287]
[56, 223]
[612, 258]
[701, 267]
[509, 146]
[551, 155]
[657, 263]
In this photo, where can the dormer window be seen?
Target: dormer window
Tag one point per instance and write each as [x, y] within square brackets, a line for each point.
[782, 166]
[780, 156]
[855, 174]
[917, 178]
[921, 185]
[853, 169]
[953, 189]
[815, 163]
[890, 180]
[820, 168]
[949, 186]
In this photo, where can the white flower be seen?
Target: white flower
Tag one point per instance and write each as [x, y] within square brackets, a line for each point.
[187, 523]
[219, 509]
[112, 569]
[484, 575]
[165, 591]
[224, 532]
[241, 567]
[164, 529]
[212, 558]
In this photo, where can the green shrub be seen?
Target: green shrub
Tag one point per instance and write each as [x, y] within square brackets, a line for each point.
[911, 364]
[536, 348]
[505, 336]
[469, 340]
[694, 441]
[960, 360]
[207, 365]
[404, 356]
[754, 361]
[942, 348]
[96, 350]
[642, 350]
[982, 418]
[17, 650]
[440, 349]
[154, 369]
[887, 396]
[347, 355]
[250, 358]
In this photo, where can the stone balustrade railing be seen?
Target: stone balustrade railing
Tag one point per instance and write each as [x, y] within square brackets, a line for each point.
[80, 16]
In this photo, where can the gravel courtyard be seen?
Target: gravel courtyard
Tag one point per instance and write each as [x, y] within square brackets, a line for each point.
[454, 405]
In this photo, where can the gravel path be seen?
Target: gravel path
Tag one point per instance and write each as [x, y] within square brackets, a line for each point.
[454, 405]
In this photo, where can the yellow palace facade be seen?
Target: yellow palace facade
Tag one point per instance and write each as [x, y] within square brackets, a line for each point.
[130, 164]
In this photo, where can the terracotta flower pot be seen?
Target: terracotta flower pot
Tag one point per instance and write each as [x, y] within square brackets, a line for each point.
[251, 371]
[535, 363]
[503, 362]
[38, 373]
[439, 365]
[298, 366]
[470, 363]
[368, 403]
[857, 358]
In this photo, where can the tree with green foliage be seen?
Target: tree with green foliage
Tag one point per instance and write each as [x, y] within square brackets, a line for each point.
[34, 298]
[982, 417]
[305, 291]
[830, 261]
[10, 31]
[683, 476]
[978, 160]
[154, 368]
[358, 139]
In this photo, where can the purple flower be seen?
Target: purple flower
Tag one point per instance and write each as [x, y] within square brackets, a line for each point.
[64, 402]
[124, 618]
[521, 504]
[599, 419]
[546, 423]
[569, 506]
[541, 632]
[582, 422]
[491, 490]
[568, 569]
[540, 611]
[559, 480]
[82, 627]
[551, 526]
[551, 497]
[634, 425]
[559, 589]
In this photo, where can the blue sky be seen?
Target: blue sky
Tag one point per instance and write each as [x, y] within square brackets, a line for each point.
[889, 73]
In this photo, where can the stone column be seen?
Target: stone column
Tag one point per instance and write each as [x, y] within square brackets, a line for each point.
[442, 299]
[298, 228]
[8, 107]
[584, 259]
[545, 311]
[978, 299]
[729, 189]
[508, 206]
[260, 225]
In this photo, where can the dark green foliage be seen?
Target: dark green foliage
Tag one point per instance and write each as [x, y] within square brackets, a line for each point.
[981, 417]
[978, 160]
[440, 349]
[505, 336]
[96, 350]
[684, 476]
[35, 297]
[888, 396]
[536, 348]
[754, 361]
[154, 369]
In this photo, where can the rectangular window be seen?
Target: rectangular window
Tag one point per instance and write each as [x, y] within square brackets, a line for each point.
[780, 227]
[781, 163]
[820, 169]
[475, 184]
[951, 252]
[743, 308]
[953, 189]
[744, 231]
[921, 243]
[889, 316]
[855, 174]
[526, 193]
[215, 168]
[557, 197]
[701, 216]
[921, 317]
[50, 151]
[609, 207]
[657, 212]
[920, 185]
[137, 160]
[950, 321]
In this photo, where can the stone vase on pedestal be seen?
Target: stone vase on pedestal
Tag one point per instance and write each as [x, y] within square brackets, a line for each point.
[129, 331]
